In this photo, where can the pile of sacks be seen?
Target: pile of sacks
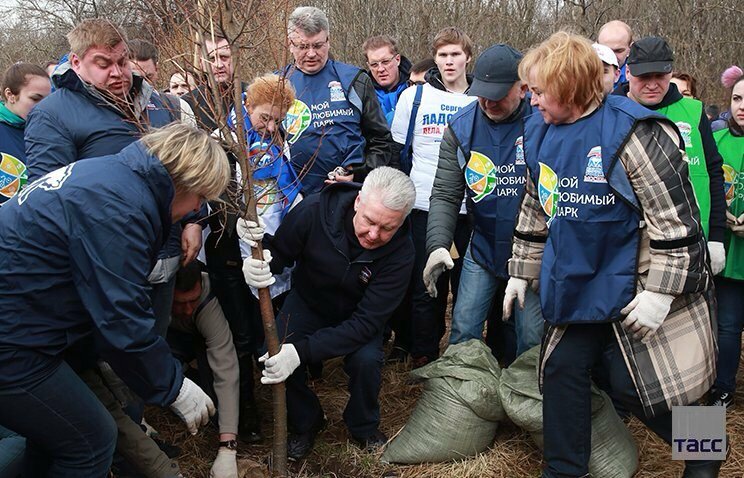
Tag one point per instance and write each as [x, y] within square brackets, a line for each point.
[458, 412]
[614, 452]
[465, 396]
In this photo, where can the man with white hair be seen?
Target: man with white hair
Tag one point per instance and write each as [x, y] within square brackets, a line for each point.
[353, 257]
[336, 128]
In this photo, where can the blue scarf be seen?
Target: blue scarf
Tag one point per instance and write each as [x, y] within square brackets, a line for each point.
[268, 161]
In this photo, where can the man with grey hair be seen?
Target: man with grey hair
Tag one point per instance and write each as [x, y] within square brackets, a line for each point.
[336, 128]
[353, 255]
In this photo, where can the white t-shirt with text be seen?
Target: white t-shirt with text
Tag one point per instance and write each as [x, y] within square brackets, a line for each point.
[435, 111]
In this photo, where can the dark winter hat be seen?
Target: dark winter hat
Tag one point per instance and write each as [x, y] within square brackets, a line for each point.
[495, 72]
[650, 55]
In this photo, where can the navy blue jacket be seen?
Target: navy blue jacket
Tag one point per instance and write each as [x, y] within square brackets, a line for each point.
[76, 122]
[356, 296]
[69, 271]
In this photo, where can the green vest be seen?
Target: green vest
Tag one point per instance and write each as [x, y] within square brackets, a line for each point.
[732, 150]
[686, 115]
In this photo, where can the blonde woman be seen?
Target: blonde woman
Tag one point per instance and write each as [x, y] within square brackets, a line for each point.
[76, 247]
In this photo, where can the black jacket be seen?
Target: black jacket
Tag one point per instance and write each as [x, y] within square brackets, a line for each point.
[713, 162]
[356, 297]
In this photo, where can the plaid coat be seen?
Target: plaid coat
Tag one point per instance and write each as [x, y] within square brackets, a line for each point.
[678, 365]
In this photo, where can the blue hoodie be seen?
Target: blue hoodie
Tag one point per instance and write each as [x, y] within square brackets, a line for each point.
[71, 272]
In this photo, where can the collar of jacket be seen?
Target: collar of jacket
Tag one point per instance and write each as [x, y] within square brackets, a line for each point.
[139, 94]
[335, 201]
[10, 118]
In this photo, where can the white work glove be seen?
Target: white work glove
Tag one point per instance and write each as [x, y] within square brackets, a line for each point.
[279, 367]
[225, 465]
[515, 289]
[193, 406]
[717, 257]
[736, 224]
[257, 273]
[645, 313]
[251, 232]
[439, 261]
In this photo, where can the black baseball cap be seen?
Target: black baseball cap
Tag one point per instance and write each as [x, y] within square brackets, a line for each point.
[495, 72]
[650, 55]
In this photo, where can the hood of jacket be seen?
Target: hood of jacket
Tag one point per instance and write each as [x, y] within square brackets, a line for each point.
[335, 201]
[154, 175]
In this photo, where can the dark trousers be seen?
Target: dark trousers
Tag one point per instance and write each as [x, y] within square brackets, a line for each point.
[364, 368]
[730, 297]
[186, 347]
[584, 350]
[244, 317]
[69, 433]
[425, 314]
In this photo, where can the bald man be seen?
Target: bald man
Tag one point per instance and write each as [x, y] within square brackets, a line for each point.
[618, 36]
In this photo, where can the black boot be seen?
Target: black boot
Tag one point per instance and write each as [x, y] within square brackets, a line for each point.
[706, 470]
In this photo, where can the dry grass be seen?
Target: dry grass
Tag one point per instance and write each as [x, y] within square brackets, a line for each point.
[513, 455]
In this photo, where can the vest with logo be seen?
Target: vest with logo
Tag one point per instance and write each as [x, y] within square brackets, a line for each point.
[13, 174]
[590, 260]
[732, 150]
[686, 114]
[492, 160]
[323, 124]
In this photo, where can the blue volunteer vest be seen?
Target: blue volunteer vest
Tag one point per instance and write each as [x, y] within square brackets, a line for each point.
[323, 124]
[590, 260]
[492, 158]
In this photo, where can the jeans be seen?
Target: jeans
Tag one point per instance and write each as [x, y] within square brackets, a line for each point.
[586, 349]
[69, 433]
[730, 296]
[427, 314]
[478, 289]
[363, 366]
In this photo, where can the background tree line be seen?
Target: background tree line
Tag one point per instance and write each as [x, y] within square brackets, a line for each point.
[707, 35]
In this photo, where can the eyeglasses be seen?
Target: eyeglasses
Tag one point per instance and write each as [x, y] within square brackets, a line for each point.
[310, 46]
[385, 63]
[411, 83]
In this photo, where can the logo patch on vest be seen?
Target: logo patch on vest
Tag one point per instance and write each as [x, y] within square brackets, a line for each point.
[297, 121]
[51, 182]
[547, 190]
[686, 130]
[519, 146]
[594, 172]
[12, 175]
[729, 183]
[480, 175]
[337, 93]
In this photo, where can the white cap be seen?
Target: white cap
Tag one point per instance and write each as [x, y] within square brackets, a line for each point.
[606, 54]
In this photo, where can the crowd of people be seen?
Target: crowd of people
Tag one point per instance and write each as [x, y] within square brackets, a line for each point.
[576, 196]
